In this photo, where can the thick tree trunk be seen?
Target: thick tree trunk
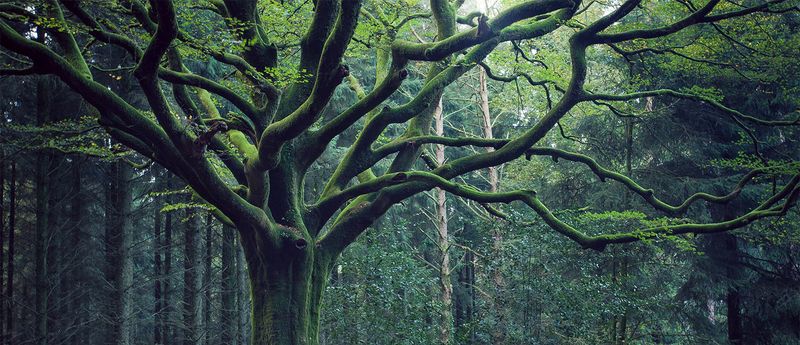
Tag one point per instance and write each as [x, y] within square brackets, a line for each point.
[286, 291]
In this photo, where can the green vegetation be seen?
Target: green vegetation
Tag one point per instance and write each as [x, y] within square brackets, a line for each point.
[399, 172]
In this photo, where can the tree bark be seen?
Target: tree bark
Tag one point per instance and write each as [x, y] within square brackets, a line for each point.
[78, 243]
[167, 313]
[286, 291]
[446, 297]
[120, 267]
[207, 272]
[41, 184]
[158, 313]
[190, 290]
[227, 291]
[12, 219]
[735, 332]
[2, 248]
[500, 328]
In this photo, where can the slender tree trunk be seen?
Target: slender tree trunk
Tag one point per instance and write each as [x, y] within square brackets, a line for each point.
[120, 269]
[190, 289]
[158, 313]
[733, 301]
[446, 286]
[228, 289]
[41, 241]
[2, 248]
[619, 329]
[78, 242]
[167, 311]
[243, 300]
[207, 272]
[12, 220]
[500, 327]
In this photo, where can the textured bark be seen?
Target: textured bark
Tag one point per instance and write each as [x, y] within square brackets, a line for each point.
[228, 286]
[465, 301]
[120, 267]
[2, 248]
[208, 334]
[78, 274]
[286, 297]
[500, 327]
[445, 283]
[243, 300]
[158, 261]
[166, 283]
[190, 279]
[284, 283]
[41, 244]
[12, 219]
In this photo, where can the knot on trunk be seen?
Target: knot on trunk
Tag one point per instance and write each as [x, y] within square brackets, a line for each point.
[343, 72]
[293, 238]
[483, 26]
[199, 145]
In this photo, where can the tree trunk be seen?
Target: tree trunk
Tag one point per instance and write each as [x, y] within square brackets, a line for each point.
[2, 248]
[243, 299]
[158, 314]
[286, 291]
[207, 272]
[500, 329]
[733, 301]
[78, 243]
[167, 314]
[227, 291]
[41, 184]
[190, 290]
[446, 285]
[12, 219]
[120, 267]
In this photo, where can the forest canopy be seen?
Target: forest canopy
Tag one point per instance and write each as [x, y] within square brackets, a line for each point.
[280, 172]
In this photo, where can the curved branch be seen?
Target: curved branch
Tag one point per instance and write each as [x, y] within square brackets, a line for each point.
[790, 193]
[191, 79]
[330, 73]
[440, 49]
[648, 194]
[696, 17]
[710, 101]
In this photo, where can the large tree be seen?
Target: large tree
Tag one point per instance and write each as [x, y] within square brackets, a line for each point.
[250, 164]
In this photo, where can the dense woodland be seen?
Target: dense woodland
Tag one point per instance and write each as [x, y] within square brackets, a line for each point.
[399, 172]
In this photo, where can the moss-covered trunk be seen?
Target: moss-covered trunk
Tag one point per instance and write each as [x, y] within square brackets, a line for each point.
[286, 291]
